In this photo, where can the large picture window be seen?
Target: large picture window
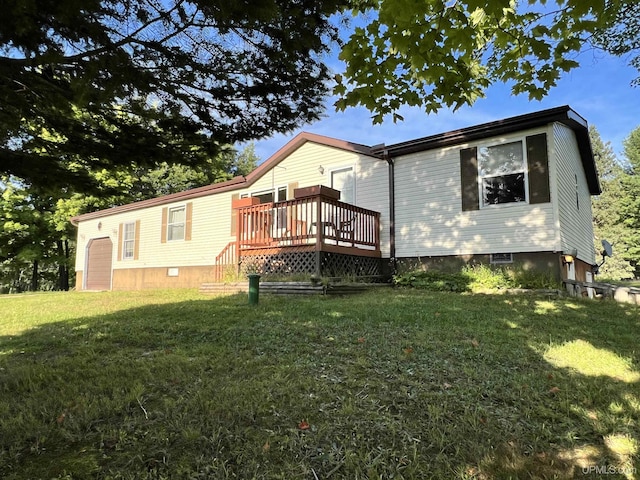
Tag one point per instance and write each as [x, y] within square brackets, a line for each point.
[502, 173]
[128, 241]
[176, 223]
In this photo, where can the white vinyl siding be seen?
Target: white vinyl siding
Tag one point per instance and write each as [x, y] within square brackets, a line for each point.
[430, 220]
[574, 199]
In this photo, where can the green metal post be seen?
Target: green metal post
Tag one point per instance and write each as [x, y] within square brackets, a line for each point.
[254, 288]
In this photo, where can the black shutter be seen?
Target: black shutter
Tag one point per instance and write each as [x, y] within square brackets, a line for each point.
[469, 179]
[538, 164]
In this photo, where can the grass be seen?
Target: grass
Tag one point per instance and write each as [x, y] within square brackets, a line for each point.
[394, 384]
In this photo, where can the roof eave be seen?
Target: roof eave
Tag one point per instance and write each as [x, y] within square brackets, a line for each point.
[563, 114]
[235, 183]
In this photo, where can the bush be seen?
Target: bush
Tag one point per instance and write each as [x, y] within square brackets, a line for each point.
[474, 278]
[433, 280]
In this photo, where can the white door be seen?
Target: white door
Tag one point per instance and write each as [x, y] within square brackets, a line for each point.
[345, 181]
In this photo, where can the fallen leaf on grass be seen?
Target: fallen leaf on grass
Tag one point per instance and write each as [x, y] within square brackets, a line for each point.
[60, 419]
[361, 340]
[266, 446]
[475, 343]
[446, 386]
[554, 390]
[304, 425]
[408, 350]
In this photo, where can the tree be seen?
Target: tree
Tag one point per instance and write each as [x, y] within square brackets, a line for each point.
[26, 236]
[607, 210]
[121, 82]
[37, 240]
[630, 208]
[622, 38]
[447, 53]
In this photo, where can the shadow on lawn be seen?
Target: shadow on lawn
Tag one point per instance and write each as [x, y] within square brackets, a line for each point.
[593, 375]
[407, 385]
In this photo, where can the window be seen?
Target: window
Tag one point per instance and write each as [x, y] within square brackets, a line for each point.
[502, 173]
[501, 258]
[344, 180]
[267, 196]
[128, 241]
[176, 223]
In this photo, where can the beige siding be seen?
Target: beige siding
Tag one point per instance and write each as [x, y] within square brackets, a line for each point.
[430, 220]
[211, 221]
[574, 204]
[209, 234]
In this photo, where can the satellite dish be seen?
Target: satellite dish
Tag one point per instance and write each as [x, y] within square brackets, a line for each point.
[606, 252]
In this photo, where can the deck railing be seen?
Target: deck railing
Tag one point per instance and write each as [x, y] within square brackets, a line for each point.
[316, 220]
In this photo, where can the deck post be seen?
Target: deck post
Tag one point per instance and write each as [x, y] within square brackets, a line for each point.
[319, 224]
[318, 253]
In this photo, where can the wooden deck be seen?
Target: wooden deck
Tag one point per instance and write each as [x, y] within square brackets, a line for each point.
[314, 232]
[319, 223]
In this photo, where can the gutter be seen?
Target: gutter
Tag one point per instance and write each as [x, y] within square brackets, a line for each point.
[392, 210]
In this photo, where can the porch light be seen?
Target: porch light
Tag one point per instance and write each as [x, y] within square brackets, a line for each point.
[569, 256]
[321, 170]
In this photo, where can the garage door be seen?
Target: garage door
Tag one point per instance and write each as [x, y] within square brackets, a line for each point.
[99, 264]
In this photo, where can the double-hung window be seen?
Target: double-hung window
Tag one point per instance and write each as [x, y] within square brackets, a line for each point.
[502, 173]
[128, 241]
[176, 223]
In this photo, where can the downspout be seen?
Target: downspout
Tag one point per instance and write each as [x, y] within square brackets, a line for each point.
[392, 212]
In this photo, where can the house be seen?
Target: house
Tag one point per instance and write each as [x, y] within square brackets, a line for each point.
[514, 191]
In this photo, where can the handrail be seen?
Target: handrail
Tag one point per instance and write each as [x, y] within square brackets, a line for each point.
[225, 253]
[315, 220]
[227, 257]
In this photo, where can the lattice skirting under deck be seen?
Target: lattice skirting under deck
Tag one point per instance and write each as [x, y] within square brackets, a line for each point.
[330, 264]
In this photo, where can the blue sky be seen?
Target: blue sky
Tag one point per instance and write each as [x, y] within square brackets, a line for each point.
[599, 90]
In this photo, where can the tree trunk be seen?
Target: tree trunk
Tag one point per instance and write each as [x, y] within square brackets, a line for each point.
[63, 264]
[34, 277]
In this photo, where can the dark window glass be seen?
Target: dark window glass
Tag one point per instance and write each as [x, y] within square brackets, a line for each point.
[503, 189]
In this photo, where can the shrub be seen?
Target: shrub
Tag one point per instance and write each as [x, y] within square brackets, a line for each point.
[433, 280]
[476, 277]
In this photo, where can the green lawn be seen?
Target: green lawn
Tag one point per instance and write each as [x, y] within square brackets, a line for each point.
[394, 384]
